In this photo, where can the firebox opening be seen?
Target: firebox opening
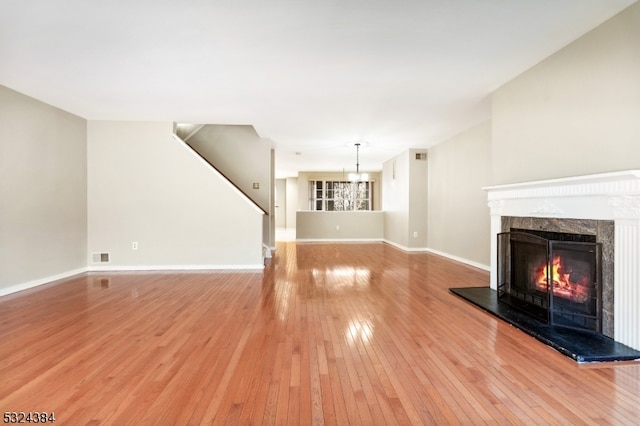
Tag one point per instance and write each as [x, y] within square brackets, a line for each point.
[554, 277]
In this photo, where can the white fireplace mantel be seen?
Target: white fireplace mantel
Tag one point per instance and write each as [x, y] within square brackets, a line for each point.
[606, 196]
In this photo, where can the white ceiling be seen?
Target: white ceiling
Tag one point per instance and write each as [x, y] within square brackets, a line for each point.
[313, 76]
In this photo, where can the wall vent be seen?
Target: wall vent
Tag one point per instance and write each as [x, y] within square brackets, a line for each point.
[421, 155]
[100, 257]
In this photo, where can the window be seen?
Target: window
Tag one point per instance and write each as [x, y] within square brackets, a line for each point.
[340, 195]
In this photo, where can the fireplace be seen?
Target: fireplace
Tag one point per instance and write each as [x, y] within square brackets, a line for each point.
[609, 205]
[552, 276]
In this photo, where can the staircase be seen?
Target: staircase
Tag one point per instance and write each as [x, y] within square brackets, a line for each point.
[244, 159]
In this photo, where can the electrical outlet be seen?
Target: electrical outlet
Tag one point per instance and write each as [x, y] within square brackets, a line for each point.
[415, 234]
[134, 245]
[337, 227]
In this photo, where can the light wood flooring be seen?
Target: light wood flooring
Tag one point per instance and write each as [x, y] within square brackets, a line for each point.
[326, 334]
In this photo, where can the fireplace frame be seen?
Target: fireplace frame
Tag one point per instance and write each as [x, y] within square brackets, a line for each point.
[613, 196]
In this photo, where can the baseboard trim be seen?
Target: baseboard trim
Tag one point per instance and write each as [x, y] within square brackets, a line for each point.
[41, 281]
[341, 240]
[461, 260]
[405, 248]
[440, 253]
[116, 268]
[111, 268]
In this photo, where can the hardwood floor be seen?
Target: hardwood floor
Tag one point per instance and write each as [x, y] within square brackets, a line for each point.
[326, 334]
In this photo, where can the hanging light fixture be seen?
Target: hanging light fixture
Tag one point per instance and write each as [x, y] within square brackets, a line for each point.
[357, 176]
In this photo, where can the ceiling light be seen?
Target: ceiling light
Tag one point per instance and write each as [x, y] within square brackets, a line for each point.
[357, 176]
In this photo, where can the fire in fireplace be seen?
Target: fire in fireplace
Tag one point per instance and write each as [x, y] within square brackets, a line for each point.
[563, 280]
[555, 277]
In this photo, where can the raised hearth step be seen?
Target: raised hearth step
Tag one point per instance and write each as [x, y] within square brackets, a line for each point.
[582, 346]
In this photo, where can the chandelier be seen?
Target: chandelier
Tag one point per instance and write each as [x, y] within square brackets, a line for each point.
[357, 176]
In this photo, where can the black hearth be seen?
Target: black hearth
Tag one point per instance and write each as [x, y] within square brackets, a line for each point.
[555, 285]
[552, 276]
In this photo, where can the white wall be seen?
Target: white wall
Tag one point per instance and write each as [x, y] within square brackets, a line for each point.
[459, 222]
[43, 192]
[575, 113]
[145, 186]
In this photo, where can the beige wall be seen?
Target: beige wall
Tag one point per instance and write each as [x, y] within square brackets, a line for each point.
[292, 201]
[395, 185]
[335, 226]
[287, 202]
[459, 223]
[239, 153]
[404, 184]
[418, 200]
[269, 219]
[281, 203]
[43, 192]
[575, 113]
[145, 186]
[315, 225]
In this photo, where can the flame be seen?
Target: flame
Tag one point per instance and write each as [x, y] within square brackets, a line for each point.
[562, 284]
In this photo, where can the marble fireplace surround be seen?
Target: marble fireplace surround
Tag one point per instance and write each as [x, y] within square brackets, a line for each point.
[596, 204]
